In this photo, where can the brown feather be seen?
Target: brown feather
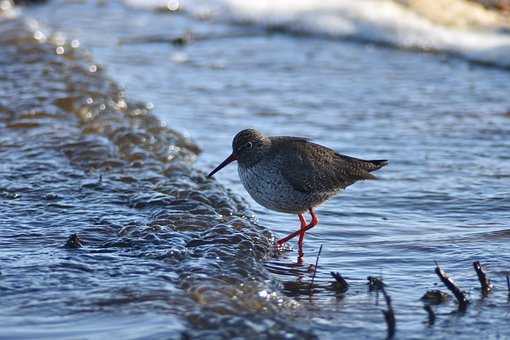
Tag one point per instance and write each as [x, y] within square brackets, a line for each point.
[311, 167]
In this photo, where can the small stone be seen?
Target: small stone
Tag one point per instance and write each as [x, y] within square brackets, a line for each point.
[435, 297]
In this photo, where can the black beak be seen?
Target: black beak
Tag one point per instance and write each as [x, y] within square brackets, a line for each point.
[230, 159]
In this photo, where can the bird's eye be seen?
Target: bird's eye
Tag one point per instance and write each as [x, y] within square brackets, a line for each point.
[248, 145]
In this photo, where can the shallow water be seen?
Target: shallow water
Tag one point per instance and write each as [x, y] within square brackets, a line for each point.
[441, 122]
[162, 245]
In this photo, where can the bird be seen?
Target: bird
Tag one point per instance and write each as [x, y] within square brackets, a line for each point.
[293, 175]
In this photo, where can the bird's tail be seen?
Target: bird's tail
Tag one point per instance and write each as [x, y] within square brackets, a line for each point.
[361, 168]
[377, 164]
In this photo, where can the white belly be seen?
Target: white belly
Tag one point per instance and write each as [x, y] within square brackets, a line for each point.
[268, 187]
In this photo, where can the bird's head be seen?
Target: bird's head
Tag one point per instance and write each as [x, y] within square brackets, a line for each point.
[248, 147]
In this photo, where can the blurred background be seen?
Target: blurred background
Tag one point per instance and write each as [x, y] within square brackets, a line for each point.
[423, 83]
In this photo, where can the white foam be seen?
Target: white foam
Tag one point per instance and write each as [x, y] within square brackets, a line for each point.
[7, 9]
[380, 21]
[146, 4]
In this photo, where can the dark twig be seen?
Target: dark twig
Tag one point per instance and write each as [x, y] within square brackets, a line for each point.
[431, 314]
[340, 285]
[315, 270]
[450, 284]
[389, 314]
[482, 277]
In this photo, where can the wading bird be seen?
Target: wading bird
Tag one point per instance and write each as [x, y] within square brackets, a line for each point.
[293, 175]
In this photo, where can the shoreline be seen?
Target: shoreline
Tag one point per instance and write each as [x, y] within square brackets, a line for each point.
[82, 161]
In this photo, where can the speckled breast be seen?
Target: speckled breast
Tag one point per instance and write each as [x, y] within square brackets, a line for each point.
[268, 187]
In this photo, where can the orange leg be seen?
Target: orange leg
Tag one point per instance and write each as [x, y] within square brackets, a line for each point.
[304, 228]
[302, 219]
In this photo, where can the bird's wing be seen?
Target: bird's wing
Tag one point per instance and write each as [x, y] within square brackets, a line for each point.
[310, 167]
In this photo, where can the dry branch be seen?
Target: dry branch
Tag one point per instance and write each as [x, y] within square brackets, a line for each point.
[482, 277]
[389, 315]
[315, 270]
[452, 286]
[340, 285]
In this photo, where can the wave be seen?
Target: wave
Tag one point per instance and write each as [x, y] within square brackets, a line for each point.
[158, 237]
[375, 21]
